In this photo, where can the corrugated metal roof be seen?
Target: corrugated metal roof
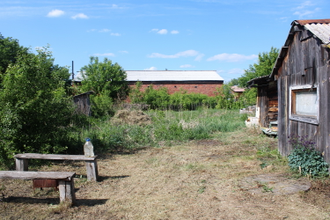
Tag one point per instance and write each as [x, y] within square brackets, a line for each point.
[321, 31]
[173, 75]
[319, 27]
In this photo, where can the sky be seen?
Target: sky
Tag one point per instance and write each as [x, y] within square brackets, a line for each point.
[221, 35]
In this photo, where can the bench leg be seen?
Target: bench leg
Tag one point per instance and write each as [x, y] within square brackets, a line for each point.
[21, 164]
[92, 171]
[67, 193]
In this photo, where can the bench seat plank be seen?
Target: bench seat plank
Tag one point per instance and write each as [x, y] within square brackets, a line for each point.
[65, 181]
[91, 163]
[54, 157]
[36, 175]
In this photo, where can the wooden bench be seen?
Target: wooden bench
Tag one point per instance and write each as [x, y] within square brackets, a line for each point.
[91, 164]
[65, 181]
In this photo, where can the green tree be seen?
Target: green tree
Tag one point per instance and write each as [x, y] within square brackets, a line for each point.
[225, 98]
[136, 95]
[107, 81]
[9, 50]
[263, 67]
[35, 111]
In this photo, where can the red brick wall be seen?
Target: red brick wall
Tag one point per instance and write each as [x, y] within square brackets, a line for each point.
[203, 88]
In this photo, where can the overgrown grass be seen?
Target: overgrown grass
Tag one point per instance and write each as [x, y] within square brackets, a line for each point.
[167, 127]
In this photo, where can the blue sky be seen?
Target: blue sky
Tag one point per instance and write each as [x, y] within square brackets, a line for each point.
[222, 35]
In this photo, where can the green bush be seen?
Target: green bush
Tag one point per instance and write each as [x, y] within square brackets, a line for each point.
[35, 114]
[305, 159]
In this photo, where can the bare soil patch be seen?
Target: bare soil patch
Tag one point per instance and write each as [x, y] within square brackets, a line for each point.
[206, 179]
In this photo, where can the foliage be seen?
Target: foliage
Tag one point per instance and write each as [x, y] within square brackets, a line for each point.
[160, 99]
[157, 99]
[305, 158]
[107, 81]
[225, 98]
[249, 97]
[166, 127]
[35, 112]
[136, 95]
[9, 51]
[263, 67]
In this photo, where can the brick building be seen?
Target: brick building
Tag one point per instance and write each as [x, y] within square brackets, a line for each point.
[193, 81]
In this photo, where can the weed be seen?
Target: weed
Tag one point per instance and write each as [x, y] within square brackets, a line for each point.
[201, 189]
[305, 159]
[265, 187]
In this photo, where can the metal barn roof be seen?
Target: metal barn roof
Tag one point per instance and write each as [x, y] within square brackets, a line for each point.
[320, 29]
[173, 75]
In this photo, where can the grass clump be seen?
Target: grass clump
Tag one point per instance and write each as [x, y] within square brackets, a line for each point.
[163, 127]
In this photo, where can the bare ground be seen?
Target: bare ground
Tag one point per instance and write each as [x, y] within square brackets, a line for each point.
[208, 179]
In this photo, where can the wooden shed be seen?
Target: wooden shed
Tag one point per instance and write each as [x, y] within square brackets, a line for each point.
[82, 103]
[267, 101]
[302, 74]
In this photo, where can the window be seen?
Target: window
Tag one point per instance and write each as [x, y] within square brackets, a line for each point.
[304, 104]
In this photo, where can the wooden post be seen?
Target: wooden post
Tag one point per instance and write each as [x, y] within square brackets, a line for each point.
[21, 164]
[67, 193]
[92, 171]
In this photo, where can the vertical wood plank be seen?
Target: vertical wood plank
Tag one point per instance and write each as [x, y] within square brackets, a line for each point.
[92, 170]
[21, 164]
[66, 189]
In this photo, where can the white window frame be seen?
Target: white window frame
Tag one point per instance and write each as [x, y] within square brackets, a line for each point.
[299, 117]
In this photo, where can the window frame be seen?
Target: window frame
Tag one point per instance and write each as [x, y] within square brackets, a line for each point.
[299, 117]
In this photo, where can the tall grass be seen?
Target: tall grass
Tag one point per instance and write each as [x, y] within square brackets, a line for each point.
[166, 127]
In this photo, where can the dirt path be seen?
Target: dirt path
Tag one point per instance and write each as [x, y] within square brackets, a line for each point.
[199, 180]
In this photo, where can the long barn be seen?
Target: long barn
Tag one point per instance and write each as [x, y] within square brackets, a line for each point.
[193, 81]
[302, 73]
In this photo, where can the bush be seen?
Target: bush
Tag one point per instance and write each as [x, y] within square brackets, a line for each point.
[305, 159]
[35, 112]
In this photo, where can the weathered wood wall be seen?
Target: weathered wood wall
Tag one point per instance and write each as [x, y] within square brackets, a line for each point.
[268, 103]
[306, 63]
[83, 104]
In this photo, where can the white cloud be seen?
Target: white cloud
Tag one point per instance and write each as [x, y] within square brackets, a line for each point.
[162, 31]
[115, 34]
[199, 57]
[305, 9]
[186, 66]
[151, 68]
[104, 30]
[123, 51]
[104, 54]
[80, 16]
[232, 57]
[55, 13]
[306, 12]
[187, 53]
[236, 71]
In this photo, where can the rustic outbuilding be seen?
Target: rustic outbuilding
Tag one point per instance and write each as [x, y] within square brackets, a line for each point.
[267, 100]
[302, 74]
[82, 102]
[193, 81]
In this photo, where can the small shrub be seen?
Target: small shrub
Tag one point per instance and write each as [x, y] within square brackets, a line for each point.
[305, 158]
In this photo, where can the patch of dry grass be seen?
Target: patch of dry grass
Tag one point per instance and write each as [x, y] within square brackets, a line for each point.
[197, 180]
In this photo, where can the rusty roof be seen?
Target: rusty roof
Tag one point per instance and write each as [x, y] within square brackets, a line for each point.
[314, 21]
[237, 89]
